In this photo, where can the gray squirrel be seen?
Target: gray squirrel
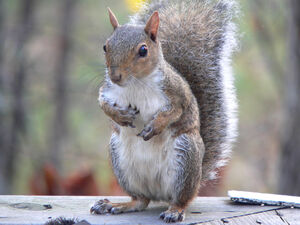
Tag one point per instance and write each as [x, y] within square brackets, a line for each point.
[170, 96]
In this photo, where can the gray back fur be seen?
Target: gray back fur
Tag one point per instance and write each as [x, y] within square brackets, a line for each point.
[198, 38]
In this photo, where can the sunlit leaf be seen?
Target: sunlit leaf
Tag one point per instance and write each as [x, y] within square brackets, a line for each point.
[135, 5]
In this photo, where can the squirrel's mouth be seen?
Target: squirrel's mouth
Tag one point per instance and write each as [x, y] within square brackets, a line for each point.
[121, 83]
[125, 82]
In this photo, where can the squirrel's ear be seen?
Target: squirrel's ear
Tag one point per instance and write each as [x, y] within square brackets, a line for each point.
[113, 20]
[152, 26]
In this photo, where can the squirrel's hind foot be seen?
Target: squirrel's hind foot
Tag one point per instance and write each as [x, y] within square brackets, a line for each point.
[105, 206]
[172, 215]
[101, 207]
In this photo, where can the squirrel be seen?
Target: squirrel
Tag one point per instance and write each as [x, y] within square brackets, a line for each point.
[169, 93]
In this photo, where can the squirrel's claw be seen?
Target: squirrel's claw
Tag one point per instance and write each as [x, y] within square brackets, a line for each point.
[147, 133]
[171, 216]
[124, 116]
[101, 207]
[127, 124]
[105, 206]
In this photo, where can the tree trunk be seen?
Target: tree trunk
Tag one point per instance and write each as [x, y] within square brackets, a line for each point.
[59, 129]
[11, 146]
[3, 187]
[289, 176]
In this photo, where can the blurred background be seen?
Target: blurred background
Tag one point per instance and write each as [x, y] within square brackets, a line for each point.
[54, 136]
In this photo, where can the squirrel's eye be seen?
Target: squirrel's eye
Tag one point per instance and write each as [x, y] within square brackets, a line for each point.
[143, 51]
[104, 48]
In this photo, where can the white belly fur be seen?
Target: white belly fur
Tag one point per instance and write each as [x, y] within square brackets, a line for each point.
[148, 165]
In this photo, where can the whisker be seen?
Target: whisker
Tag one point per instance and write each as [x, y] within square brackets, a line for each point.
[142, 82]
[138, 80]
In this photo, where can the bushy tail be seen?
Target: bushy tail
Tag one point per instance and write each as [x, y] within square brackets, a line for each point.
[198, 38]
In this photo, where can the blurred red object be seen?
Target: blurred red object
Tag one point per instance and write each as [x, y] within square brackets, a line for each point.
[213, 187]
[49, 182]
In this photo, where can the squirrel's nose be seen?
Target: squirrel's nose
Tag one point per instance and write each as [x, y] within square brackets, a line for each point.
[116, 78]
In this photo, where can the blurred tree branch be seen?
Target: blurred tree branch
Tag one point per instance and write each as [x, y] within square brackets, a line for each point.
[289, 179]
[60, 95]
[265, 38]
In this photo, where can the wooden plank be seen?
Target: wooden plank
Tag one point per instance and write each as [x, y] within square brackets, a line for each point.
[264, 198]
[290, 216]
[265, 218]
[39, 209]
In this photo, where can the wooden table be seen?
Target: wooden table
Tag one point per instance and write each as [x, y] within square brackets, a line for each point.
[203, 210]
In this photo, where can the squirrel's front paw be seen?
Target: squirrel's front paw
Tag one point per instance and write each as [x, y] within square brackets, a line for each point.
[125, 116]
[149, 131]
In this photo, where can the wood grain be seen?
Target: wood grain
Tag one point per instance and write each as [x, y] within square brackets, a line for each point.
[203, 210]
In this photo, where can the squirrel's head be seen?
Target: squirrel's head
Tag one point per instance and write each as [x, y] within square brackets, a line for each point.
[132, 51]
